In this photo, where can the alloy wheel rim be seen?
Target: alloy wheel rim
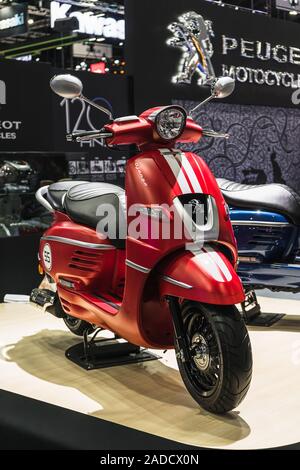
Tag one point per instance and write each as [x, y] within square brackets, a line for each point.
[206, 363]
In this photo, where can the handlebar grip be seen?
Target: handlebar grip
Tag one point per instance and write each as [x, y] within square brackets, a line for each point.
[211, 133]
[75, 135]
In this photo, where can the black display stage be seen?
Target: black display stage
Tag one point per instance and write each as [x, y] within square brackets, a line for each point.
[31, 424]
[27, 424]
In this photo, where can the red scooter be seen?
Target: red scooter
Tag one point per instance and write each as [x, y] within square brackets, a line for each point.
[125, 265]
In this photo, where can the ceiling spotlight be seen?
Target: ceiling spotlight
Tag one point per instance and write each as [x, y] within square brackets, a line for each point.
[293, 13]
[30, 21]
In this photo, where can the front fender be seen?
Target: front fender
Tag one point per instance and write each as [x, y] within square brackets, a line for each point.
[205, 275]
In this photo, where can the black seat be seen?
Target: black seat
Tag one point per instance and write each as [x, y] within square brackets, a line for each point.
[82, 202]
[272, 197]
[56, 192]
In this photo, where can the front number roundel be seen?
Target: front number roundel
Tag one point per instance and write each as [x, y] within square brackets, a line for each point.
[47, 257]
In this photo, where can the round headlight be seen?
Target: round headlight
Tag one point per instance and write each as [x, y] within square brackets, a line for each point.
[170, 122]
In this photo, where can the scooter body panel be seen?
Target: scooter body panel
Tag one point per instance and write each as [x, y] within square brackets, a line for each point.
[77, 254]
[205, 276]
[277, 276]
[86, 275]
[150, 180]
[268, 247]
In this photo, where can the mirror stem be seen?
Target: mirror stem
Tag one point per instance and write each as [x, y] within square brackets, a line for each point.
[201, 104]
[104, 110]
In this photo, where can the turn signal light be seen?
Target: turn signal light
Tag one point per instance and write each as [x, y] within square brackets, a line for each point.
[40, 269]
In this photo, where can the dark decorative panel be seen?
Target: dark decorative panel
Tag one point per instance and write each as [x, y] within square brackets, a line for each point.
[264, 143]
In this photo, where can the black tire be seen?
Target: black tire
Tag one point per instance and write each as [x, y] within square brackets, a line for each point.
[77, 326]
[218, 375]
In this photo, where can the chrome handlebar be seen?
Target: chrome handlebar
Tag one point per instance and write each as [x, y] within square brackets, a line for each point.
[79, 136]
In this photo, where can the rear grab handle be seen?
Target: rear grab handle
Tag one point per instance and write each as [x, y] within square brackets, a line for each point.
[40, 197]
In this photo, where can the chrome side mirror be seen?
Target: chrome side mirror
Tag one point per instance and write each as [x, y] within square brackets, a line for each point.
[223, 87]
[66, 86]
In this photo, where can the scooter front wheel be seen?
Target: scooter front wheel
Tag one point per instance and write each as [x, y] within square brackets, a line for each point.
[218, 370]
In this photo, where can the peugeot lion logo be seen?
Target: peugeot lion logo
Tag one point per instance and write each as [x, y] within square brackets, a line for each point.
[192, 35]
[2, 92]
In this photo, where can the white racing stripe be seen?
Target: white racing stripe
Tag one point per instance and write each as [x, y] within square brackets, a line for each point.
[190, 172]
[177, 171]
[224, 269]
[210, 265]
[213, 263]
[194, 157]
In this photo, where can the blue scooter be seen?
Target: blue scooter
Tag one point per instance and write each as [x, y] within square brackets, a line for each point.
[266, 222]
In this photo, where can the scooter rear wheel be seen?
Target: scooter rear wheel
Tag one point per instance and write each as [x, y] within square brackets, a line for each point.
[77, 326]
[218, 373]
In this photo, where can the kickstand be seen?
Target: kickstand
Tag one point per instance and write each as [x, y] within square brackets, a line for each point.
[250, 307]
[93, 353]
[88, 343]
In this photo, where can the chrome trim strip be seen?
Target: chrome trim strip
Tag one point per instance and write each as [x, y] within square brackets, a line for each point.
[138, 267]
[248, 259]
[259, 222]
[176, 283]
[71, 241]
[276, 266]
[153, 115]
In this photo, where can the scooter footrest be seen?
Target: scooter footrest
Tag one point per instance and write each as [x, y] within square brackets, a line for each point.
[264, 319]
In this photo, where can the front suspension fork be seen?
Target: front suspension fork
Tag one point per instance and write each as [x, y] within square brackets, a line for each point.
[183, 349]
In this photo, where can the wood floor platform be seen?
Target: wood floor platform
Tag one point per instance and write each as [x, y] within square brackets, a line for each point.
[150, 396]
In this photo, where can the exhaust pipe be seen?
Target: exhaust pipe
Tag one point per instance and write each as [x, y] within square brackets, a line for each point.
[48, 301]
